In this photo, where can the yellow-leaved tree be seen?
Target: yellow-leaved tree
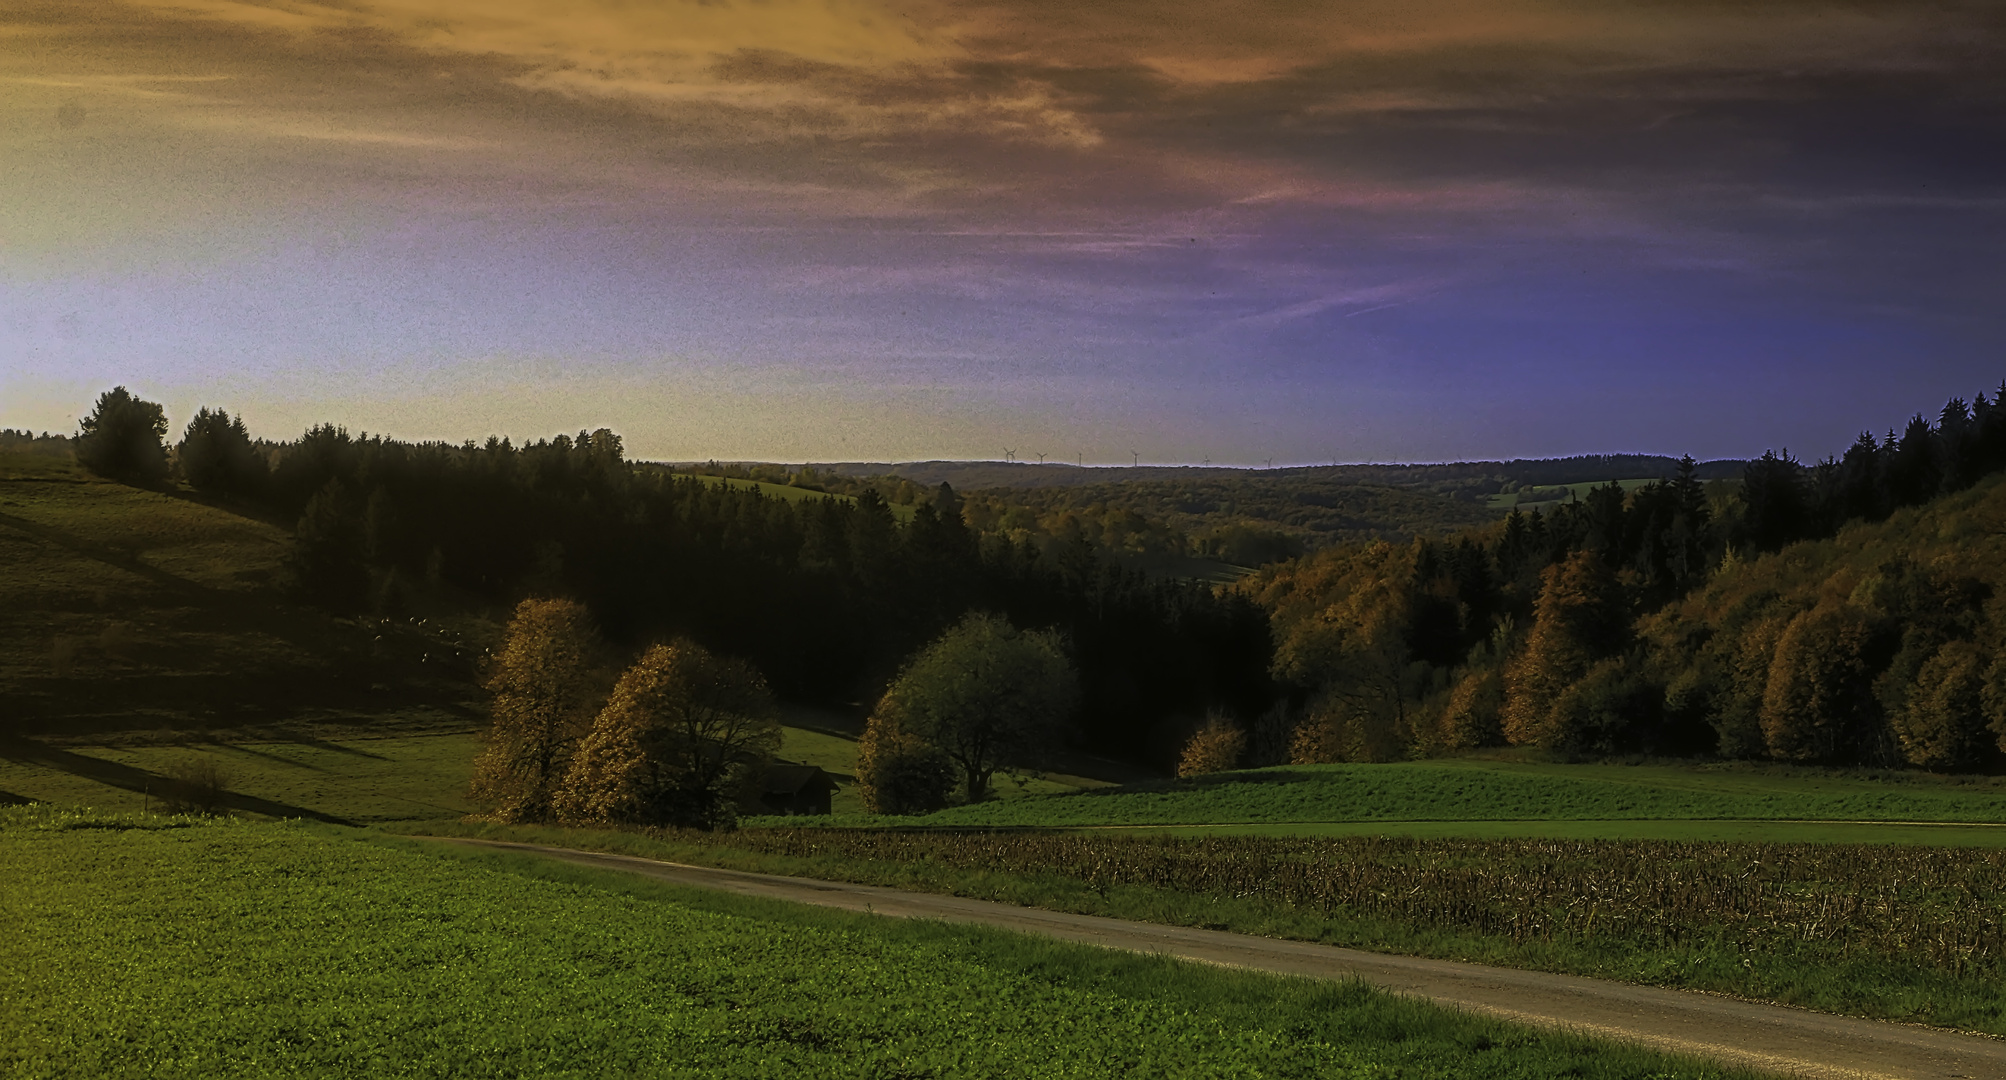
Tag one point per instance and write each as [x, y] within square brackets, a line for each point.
[544, 692]
[683, 735]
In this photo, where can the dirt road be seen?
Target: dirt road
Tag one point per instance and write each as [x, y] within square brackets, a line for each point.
[1794, 1042]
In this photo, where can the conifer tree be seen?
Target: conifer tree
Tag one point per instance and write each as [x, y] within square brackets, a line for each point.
[216, 455]
[122, 437]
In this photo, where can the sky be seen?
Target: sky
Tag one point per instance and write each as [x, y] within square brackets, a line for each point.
[1173, 231]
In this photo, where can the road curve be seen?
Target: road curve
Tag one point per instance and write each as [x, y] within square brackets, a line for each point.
[1795, 1042]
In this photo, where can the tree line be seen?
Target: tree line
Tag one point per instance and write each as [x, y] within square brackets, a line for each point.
[826, 598]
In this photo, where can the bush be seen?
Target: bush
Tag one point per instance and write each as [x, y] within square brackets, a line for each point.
[1216, 747]
[900, 773]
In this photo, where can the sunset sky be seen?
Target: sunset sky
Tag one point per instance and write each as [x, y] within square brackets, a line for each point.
[852, 230]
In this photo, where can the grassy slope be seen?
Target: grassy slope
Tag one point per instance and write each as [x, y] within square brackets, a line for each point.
[254, 950]
[123, 608]
[1434, 793]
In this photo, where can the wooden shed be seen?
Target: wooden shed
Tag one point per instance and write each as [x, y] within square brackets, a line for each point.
[797, 789]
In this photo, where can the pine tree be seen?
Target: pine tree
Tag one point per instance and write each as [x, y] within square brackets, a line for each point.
[122, 438]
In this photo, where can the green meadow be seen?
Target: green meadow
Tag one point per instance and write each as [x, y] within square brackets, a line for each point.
[149, 946]
[1444, 797]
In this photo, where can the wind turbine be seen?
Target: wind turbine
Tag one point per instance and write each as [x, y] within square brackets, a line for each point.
[1134, 459]
[1271, 463]
[1041, 459]
[1009, 455]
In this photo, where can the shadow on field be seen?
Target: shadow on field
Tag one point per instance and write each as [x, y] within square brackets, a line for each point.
[335, 748]
[233, 748]
[118, 775]
[8, 798]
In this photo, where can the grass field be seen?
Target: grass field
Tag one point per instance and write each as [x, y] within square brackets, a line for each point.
[1434, 795]
[1916, 933]
[181, 948]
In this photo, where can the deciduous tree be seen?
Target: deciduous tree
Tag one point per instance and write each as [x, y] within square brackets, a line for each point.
[988, 695]
[1943, 726]
[1578, 620]
[542, 682]
[1820, 687]
[683, 734]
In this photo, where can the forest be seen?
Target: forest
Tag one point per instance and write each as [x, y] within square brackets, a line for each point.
[1841, 612]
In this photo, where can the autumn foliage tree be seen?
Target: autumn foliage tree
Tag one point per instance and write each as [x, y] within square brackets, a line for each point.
[680, 739]
[1943, 726]
[1820, 689]
[542, 682]
[1578, 620]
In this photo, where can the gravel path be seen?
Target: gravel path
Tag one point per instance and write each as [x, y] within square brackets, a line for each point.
[1794, 1042]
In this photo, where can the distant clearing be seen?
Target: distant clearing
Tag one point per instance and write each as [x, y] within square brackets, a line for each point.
[788, 493]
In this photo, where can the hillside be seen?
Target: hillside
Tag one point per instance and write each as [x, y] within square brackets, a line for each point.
[1886, 638]
[124, 609]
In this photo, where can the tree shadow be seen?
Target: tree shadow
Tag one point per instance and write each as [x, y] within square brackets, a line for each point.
[335, 748]
[131, 778]
[8, 798]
